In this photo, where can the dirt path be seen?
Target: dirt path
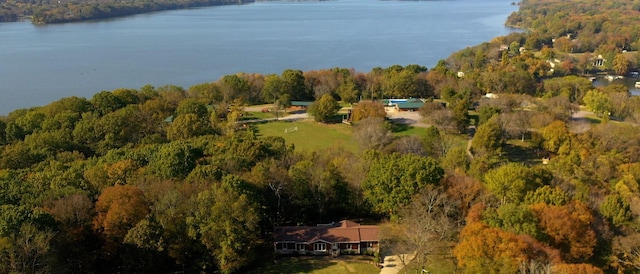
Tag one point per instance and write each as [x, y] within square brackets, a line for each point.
[392, 264]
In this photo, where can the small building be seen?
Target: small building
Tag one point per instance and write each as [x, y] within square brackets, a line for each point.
[411, 104]
[299, 105]
[345, 237]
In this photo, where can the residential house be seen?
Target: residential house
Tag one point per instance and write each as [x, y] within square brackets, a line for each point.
[345, 237]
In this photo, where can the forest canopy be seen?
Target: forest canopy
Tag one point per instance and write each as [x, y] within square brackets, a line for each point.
[525, 166]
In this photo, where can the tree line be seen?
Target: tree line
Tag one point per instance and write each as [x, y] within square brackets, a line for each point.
[49, 11]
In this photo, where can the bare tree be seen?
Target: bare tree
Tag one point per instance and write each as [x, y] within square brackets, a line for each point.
[427, 224]
[515, 124]
[372, 133]
[408, 145]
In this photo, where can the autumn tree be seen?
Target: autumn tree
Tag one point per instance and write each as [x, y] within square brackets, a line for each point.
[569, 229]
[620, 64]
[557, 137]
[483, 249]
[367, 109]
[576, 268]
[119, 208]
[626, 252]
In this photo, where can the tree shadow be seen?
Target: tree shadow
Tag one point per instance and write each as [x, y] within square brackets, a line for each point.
[398, 126]
[517, 153]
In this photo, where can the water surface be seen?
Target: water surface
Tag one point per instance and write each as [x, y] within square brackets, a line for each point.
[40, 64]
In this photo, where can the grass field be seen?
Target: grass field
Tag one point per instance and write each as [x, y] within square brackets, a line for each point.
[405, 130]
[319, 265]
[436, 264]
[257, 115]
[309, 135]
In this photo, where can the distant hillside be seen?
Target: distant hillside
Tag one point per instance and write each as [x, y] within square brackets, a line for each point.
[54, 11]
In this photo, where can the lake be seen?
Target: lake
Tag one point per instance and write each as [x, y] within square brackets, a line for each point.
[40, 64]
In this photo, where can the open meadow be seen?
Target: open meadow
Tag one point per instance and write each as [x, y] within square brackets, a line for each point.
[308, 135]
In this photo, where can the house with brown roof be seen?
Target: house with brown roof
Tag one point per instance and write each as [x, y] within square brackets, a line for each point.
[345, 237]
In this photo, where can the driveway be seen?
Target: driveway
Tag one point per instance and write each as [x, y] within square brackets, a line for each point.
[392, 263]
[412, 118]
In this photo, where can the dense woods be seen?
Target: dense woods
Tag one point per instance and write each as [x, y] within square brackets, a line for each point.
[161, 179]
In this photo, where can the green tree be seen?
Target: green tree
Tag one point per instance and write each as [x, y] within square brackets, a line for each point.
[348, 91]
[393, 179]
[234, 87]
[487, 139]
[293, 84]
[187, 126]
[324, 109]
[226, 221]
[485, 113]
[510, 182]
[401, 84]
[598, 102]
[105, 102]
[616, 209]
[272, 89]
[174, 160]
[515, 218]
[548, 195]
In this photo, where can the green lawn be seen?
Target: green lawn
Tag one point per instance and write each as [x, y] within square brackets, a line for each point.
[309, 135]
[437, 264]
[320, 265]
[256, 115]
[407, 130]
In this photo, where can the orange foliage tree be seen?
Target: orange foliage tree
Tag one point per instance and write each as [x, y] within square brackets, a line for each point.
[569, 228]
[575, 268]
[483, 249]
[119, 208]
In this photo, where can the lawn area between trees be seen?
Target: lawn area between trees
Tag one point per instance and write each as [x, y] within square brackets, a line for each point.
[309, 135]
[320, 265]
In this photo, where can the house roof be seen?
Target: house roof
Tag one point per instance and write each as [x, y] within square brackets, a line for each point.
[300, 103]
[409, 105]
[344, 231]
